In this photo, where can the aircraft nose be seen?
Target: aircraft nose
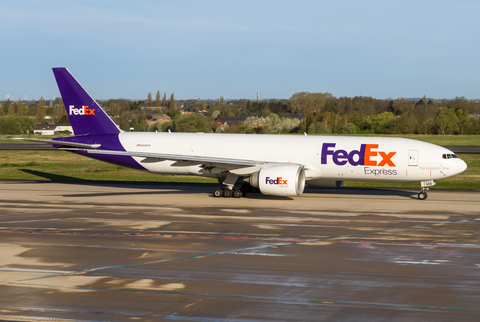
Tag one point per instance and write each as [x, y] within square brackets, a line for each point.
[462, 166]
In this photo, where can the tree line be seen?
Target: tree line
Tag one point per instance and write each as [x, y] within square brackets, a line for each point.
[37, 109]
[20, 117]
[322, 114]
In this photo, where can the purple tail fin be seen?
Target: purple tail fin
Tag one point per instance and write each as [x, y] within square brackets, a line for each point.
[86, 116]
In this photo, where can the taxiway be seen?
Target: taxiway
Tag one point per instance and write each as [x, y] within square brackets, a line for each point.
[86, 251]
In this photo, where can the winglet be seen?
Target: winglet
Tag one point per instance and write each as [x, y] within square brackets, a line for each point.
[86, 116]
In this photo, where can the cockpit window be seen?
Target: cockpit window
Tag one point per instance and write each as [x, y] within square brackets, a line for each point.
[449, 156]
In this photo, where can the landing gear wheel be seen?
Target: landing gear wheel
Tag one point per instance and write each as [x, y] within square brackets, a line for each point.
[227, 193]
[218, 192]
[422, 195]
[237, 193]
[244, 190]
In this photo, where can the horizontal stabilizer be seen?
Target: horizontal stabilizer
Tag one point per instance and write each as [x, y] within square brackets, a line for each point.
[64, 143]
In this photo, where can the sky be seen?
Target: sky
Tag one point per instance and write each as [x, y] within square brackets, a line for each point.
[207, 49]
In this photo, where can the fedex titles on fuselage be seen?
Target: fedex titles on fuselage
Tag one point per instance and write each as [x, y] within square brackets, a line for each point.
[361, 157]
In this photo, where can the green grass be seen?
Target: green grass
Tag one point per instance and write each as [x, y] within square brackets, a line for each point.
[435, 139]
[62, 165]
[7, 138]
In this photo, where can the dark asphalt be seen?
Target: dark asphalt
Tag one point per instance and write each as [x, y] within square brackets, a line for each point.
[26, 146]
[464, 149]
[87, 252]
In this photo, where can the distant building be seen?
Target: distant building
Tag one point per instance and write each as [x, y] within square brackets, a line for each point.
[164, 117]
[295, 116]
[51, 129]
[229, 120]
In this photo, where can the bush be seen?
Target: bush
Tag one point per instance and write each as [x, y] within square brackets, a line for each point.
[193, 123]
[319, 128]
[167, 126]
[348, 128]
[16, 125]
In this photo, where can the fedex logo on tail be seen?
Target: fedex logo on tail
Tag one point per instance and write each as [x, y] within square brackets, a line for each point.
[84, 110]
[278, 181]
[364, 156]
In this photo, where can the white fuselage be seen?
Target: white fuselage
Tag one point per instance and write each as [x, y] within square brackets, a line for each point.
[323, 157]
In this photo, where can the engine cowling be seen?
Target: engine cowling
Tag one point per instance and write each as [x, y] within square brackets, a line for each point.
[325, 183]
[280, 180]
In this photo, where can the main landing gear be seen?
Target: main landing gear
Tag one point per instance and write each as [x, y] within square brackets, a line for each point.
[228, 191]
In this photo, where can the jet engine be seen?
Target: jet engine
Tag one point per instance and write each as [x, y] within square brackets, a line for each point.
[280, 180]
[325, 183]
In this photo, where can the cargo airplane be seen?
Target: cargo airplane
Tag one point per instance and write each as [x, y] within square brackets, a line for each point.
[279, 165]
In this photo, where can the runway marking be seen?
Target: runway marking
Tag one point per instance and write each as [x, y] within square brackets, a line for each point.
[424, 262]
[242, 250]
[37, 318]
[152, 262]
[253, 297]
[57, 311]
[262, 254]
[272, 239]
[109, 247]
[32, 220]
[238, 211]
[273, 243]
[31, 270]
[200, 319]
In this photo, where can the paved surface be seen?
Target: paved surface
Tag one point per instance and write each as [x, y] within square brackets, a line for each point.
[465, 149]
[171, 252]
[26, 146]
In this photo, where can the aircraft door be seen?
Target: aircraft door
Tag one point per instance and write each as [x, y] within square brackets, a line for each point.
[413, 158]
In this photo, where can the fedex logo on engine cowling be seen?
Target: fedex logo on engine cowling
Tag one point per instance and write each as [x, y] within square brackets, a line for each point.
[84, 110]
[367, 155]
[278, 181]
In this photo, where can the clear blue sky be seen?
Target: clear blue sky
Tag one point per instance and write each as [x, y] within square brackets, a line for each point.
[206, 49]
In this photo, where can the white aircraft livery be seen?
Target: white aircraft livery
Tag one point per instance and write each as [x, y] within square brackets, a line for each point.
[279, 165]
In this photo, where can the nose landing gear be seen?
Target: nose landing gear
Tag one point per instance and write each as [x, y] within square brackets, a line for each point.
[423, 194]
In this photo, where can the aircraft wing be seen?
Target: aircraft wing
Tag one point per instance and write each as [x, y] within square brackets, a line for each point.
[235, 166]
[240, 167]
